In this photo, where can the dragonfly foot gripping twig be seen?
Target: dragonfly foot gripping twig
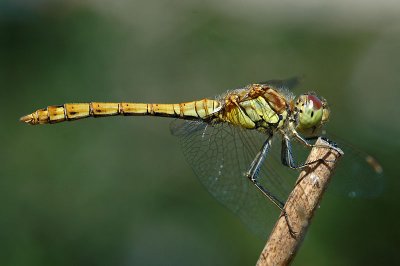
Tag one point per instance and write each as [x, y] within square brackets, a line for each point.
[282, 245]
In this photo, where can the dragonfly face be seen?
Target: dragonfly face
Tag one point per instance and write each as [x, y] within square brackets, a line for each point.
[311, 113]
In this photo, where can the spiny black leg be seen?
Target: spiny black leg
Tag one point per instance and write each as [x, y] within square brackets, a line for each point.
[287, 157]
[331, 144]
[252, 175]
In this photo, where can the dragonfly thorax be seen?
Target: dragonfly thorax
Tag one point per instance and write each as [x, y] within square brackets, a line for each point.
[310, 113]
[257, 106]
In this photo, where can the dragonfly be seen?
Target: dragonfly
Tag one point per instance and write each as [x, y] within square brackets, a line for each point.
[230, 142]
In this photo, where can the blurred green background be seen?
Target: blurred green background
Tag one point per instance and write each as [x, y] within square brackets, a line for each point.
[117, 191]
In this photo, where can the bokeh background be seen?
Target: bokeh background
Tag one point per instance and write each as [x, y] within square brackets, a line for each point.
[117, 191]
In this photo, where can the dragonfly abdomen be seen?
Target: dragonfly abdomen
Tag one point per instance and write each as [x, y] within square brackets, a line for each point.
[73, 111]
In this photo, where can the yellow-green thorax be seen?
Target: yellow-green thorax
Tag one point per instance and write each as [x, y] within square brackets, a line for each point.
[260, 106]
[256, 106]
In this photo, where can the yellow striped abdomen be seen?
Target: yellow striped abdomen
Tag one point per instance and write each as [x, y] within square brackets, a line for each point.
[73, 111]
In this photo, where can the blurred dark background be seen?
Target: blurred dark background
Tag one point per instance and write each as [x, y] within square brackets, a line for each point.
[117, 191]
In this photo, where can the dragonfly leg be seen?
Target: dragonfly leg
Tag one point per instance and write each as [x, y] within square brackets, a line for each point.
[252, 175]
[288, 160]
[331, 144]
[287, 157]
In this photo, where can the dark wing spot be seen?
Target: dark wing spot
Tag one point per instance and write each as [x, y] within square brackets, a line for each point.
[312, 113]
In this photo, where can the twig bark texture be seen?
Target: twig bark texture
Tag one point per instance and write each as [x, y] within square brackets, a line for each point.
[282, 246]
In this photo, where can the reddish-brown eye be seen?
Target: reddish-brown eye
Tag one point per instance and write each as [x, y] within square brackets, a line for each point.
[317, 104]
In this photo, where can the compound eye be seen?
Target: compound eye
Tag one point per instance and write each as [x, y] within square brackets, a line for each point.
[310, 112]
[314, 102]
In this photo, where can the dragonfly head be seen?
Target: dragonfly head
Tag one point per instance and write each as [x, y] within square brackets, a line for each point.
[311, 112]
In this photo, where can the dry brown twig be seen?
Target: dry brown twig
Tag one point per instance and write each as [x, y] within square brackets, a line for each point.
[282, 246]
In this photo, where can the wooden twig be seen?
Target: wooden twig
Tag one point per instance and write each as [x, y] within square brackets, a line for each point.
[282, 245]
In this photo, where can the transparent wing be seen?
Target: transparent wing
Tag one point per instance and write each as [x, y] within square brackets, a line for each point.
[358, 174]
[289, 83]
[221, 154]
